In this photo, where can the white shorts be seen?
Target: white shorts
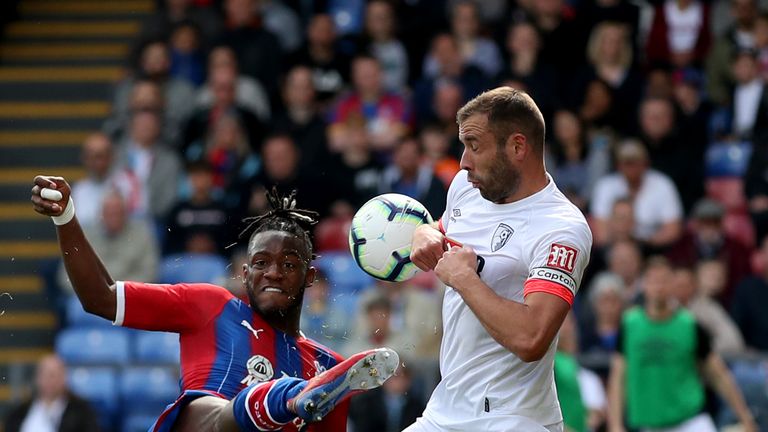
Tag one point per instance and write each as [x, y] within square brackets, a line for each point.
[507, 423]
[701, 423]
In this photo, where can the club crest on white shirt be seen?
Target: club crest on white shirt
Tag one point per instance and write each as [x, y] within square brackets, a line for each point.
[501, 236]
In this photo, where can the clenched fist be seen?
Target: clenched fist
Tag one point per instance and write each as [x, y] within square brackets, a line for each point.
[48, 207]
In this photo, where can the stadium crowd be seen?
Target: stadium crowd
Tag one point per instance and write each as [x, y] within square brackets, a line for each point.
[657, 121]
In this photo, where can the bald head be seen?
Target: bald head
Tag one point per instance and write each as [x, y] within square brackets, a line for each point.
[97, 155]
[51, 378]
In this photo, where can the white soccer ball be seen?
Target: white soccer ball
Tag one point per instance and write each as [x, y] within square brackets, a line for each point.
[380, 236]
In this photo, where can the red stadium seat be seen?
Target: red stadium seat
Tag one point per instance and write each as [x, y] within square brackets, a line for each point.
[729, 191]
[739, 225]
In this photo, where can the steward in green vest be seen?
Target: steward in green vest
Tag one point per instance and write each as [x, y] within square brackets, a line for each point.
[656, 372]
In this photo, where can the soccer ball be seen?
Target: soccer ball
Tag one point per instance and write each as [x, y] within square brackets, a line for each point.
[380, 236]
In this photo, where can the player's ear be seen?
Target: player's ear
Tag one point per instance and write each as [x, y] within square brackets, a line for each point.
[245, 271]
[310, 277]
[518, 145]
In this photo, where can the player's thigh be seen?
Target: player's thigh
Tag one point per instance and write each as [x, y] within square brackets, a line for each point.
[205, 414]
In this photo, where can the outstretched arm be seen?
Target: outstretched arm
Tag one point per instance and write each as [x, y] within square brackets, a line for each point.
[721, 379]
[90, 279]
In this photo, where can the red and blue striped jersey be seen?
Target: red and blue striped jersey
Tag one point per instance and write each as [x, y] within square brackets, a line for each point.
[225, 345]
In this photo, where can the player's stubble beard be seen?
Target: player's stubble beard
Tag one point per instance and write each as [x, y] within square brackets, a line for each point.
[503, 179]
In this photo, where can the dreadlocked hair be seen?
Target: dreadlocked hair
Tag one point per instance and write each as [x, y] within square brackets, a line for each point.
[285, 217]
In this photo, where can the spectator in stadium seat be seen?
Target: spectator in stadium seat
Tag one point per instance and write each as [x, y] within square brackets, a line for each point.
[523, 46]
[355, 171]
[694, 111]
[602, 315]
[200, 212]
[726, 337]
[626, 261]
[127, 246]
[330, 67]
[562, 35]
[437, 153]
[257, 49]
[186, 52]
[574, 163]
[280, 158]
[475, 49]
[392, 407]
[380, 40]
[155, 168]
[249, 93]
[748, 307]
[706, 239]
[145, 95]
[414, 314]
[597, 108]
[738, 35]
[409, 175]
[172, 12]
[610, 59]
[679, 34]
[387, 116]
[748, 108]
[667, 147]
[656, 203]
[54, 407]
[325, 316]
[662, 359]
[378, 331]
[230, 157]
[198, 262]
[450, 67]
[301, 117]
[177, 95]
[283, 22]
[97, 157]
[756, 190]
[761, 44]
[222, 82]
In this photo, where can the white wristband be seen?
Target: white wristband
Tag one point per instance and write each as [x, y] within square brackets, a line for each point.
[67, 215]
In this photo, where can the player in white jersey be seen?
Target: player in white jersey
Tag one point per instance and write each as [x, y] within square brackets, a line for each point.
[512, 249]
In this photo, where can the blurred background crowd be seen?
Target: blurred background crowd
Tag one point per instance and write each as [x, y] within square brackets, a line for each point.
[657, 121]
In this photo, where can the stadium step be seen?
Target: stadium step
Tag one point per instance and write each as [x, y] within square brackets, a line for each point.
[58, 64]
[42, 138]
[67, 51]
[57, 156]
[17, 285]
[23, 176]
[33, 9]
[73, 29]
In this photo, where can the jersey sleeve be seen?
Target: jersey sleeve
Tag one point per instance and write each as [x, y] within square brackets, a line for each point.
[173, 308]
[558, 261]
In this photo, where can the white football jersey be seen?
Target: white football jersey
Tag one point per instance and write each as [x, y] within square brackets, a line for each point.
[540, 243]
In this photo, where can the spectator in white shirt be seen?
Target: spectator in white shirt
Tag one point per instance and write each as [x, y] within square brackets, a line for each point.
[656, 202]
[749, 99]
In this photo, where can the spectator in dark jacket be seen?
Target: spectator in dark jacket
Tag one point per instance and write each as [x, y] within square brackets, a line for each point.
[54, 407]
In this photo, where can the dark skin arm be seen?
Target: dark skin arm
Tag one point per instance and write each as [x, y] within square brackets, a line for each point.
[92, 283]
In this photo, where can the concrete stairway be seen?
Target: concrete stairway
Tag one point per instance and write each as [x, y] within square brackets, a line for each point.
[57, 67]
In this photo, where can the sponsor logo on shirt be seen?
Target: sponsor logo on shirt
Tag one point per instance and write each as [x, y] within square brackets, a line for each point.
[562, 257]
[501, 236]
[247, 325]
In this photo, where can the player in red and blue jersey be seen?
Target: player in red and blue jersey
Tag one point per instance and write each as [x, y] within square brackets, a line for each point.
[244, 367]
